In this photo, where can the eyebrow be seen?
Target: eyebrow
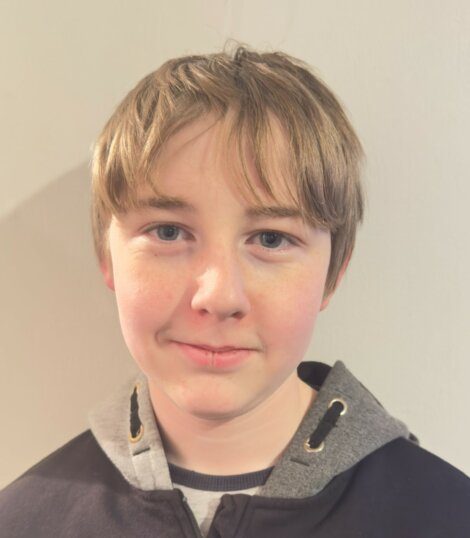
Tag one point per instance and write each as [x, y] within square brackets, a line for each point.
[254, 212]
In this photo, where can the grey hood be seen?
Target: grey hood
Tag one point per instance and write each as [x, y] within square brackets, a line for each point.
[362, 427]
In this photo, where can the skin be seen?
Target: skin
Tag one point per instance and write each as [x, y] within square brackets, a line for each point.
[219, 281]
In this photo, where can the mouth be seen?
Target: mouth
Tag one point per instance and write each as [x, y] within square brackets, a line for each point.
[222, 358]
[215, 349]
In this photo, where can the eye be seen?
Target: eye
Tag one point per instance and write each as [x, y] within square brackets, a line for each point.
[271, 239]
[166, 232]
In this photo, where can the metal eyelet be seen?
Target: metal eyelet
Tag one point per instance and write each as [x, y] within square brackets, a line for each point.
[342, 402]
[139, 435]
[318, 448]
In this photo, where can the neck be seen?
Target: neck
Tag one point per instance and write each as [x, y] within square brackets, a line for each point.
[242, 444]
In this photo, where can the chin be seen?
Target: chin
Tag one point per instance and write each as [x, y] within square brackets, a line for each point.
[210, 407]
[212, 415]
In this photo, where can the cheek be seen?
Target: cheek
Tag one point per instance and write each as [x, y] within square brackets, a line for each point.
[144, 302]
[291, 317]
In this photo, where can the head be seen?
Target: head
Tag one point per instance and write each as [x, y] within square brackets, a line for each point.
[229, 134]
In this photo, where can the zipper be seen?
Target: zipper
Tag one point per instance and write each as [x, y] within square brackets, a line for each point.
[189, 512]
[219, 508]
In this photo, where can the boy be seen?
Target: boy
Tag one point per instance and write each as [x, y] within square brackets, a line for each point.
[251, 164]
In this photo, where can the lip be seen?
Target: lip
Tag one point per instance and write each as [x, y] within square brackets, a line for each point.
[212, 348]
[221, 360]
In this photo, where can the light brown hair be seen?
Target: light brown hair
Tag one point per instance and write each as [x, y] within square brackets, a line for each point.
[322, 157]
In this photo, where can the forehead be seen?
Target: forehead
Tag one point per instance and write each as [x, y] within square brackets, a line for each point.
[212, 148]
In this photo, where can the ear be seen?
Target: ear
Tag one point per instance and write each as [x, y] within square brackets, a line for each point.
[106, 268]
[327, 298]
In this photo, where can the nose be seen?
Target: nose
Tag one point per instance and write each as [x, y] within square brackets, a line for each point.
[220, 288]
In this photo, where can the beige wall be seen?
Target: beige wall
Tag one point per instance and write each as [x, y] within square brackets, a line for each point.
[400, 320]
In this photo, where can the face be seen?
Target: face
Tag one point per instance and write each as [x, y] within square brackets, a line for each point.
[214, 275]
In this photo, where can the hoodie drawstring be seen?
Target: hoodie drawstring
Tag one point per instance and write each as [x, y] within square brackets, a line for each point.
[336, 408]
[137, 428]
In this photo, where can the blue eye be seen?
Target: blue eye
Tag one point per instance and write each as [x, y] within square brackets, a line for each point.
[272, 238]
[168, 233]
[166, 236]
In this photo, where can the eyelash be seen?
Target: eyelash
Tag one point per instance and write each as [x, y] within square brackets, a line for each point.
[285, 236]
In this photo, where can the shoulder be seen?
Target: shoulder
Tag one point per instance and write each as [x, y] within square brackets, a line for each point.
[62, 481]
[79, 459]
[405, 458]
[412, 486]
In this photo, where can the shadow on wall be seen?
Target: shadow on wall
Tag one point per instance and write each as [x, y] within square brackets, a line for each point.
[60, 343]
